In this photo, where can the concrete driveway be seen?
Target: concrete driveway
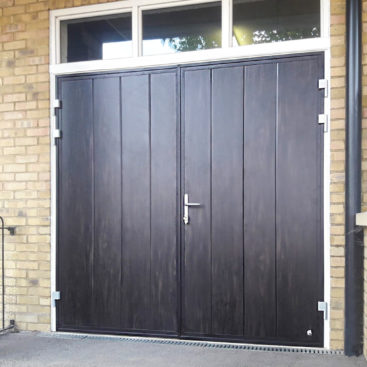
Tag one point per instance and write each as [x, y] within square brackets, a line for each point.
[43, 349]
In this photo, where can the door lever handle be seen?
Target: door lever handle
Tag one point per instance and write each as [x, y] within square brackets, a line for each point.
[187, 204]
[192, 204]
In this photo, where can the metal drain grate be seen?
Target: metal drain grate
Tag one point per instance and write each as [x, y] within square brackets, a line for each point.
[195, 343]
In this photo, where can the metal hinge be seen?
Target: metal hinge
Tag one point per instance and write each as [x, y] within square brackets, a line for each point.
[324, 120]
[56, 134]
[55, 296]
[56, 104]
[324, 84]
[323, 307]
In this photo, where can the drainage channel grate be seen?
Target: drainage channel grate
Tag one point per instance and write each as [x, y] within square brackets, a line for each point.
[194, 343]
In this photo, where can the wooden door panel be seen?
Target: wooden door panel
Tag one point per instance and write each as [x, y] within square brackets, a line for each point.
[196, 117]
[299, 201]
[107, 203]
[164, 202]
[135, 305]
[227, 197]
[250, 151]
[118, 228]
[75, 192]
[259, 199]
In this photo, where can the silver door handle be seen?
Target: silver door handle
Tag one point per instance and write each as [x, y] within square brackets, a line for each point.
[187, 204]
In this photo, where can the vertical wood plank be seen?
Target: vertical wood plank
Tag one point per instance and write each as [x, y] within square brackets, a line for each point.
[197, 243]
[259, 200]
[299, 201]
[107, 203]
[227, 201]
[135, 297]
[164, 202]
[75, 204]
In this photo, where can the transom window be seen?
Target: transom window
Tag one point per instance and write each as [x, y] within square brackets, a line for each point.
[96, 38]
[263, 21]
[147, 29]
[184, 28]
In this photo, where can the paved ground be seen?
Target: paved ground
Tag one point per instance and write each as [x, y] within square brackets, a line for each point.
[38, 349]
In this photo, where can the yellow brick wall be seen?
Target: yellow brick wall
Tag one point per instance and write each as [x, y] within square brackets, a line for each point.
[25, 163]
[337, 167]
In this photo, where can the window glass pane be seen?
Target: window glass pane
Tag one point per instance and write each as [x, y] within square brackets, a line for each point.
[97, 38]
[184, 28]
[260, 21]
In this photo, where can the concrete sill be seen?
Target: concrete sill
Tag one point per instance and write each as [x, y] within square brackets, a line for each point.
[361, 219]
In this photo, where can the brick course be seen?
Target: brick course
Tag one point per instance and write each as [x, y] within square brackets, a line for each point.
[25, 158]
[337, 174]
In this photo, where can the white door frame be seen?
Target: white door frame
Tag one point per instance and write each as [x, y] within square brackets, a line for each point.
[227, 52]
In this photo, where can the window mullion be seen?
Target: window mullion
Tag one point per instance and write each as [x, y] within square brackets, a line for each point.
[226, 23]
[136, 31]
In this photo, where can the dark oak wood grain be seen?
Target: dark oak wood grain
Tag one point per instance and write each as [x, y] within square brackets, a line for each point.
[240, 138]
[75, 203]
[107, 202]
[135, 297]
[298, 197]
[227, 201]
[259, 199]
[164, 292]
[197, 181]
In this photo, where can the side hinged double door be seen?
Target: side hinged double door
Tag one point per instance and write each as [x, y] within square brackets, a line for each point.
[139, 150]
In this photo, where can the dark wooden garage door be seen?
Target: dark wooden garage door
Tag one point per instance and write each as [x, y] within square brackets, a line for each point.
[242, 139]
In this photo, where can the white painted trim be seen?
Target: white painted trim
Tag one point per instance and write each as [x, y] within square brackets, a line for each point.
[325, 18]
[327, 157]
[151, 5]
[219, 54]
[226, 23]
[325, 33]
[225, 53]
[95, 14]
[140, 31]
[136, 31]
[53, 199]
[113, 7]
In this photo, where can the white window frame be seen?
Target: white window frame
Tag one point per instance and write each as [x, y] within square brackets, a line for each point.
[226, 52]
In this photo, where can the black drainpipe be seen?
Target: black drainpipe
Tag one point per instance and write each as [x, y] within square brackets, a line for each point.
[353, 235]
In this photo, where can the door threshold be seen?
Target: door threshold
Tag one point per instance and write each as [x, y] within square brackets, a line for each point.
[191, 343]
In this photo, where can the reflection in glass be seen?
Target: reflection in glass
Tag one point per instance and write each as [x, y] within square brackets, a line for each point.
[262, 21]
[96, 38]
[184, 28]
